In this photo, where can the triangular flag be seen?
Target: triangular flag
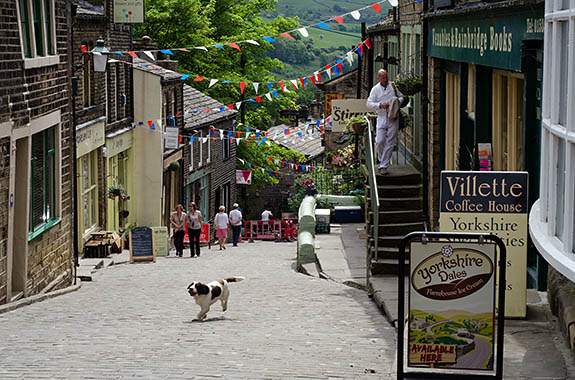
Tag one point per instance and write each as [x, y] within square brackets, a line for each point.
[302, 80]
[166, 51]
[256, 85]
[150, 55]
[367, 43]
[312, 79]
[270, 85]
[340, 65]
[201, 48]
[275, 93]
[235, 46]
[238, 104]
[286, 35]
[253, 42]
[349, 57]
[355, 14]
[376, 7]
[242, 161]
[132, 54]
[185, 76]
[258, 99]
[303, 32]
[205, 140]
[281, 85]
[219, 46]
[221, 134]
[294, 82]
[269, 96]
[286, 131]
[231, 106]
[212, 82]
[268, 39]
[328, 71]
[198, 79]
[242, 86]
[339, 19]
[180, 137]
[192, 139]
[84, 48]
[184, 50]
[322, 25]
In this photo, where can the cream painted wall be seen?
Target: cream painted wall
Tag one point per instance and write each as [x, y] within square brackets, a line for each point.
[147, 149]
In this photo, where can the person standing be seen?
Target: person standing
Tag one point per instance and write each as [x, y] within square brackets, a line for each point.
[380, 98]
[266, 215]
[236, 223]
[221, 221]
[178, 225]
[194, 222]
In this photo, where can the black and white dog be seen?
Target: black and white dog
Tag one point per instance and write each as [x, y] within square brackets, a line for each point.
[207, 294]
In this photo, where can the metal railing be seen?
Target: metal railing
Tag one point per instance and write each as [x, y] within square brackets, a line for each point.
[338, 182]
[371, 162]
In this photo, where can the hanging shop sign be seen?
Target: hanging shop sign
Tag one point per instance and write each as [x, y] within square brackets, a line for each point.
[328, 99]
[451, 305]
[171, 138]
[344, 109]
[119, 143]
[89, 136]
[492, 202]
[243, 177]
[488, 41]
[128, 11]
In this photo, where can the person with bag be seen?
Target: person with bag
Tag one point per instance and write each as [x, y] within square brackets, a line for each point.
[380, 99]
[221, 221]
[177, 223]
[194, 223]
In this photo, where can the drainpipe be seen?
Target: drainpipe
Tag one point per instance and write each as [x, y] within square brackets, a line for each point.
[424, 119]
[74, 79]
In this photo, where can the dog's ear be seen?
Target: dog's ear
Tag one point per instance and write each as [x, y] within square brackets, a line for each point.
[202, 288]
[192, 284]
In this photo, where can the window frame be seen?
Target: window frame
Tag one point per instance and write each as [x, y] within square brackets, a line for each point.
[91, 190]
[37, 37]
[200, 149]
[226, 148]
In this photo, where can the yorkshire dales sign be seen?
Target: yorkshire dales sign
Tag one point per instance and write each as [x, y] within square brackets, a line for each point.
[494, 42]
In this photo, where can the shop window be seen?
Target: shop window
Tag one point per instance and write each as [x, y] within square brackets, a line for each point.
[225, 147]
[37, 27]
[471, 91]
[452, 100]
[507, 121]
[43, 181]
[393, 52]
[88, 178]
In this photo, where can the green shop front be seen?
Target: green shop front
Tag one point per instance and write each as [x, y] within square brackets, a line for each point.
[488, 72]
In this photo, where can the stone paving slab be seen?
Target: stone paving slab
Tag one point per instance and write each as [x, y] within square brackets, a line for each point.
[135, 321]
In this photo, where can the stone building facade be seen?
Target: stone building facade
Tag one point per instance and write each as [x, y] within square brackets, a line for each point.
[36, 210]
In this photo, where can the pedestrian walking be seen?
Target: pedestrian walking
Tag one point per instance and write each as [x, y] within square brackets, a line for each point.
[221, 221]
[178, 225]
[236, 223]
[385, 98]
[194, 222]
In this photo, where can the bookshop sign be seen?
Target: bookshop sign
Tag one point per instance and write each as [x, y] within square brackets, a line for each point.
[494, 42]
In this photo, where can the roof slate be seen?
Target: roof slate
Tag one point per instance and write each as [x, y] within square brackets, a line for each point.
[310, 147]
[196, 100]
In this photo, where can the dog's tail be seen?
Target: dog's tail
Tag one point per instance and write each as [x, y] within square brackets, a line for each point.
[235, 279]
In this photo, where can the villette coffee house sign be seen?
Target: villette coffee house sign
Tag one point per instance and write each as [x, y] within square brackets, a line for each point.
[492, 202]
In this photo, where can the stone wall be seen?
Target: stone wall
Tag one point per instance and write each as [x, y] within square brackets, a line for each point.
[561, 296]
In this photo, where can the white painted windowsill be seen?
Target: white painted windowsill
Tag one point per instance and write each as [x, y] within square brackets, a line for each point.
[31, 63]
[549, 246]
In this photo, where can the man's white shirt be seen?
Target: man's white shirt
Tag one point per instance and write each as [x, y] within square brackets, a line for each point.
[235, 216]
[378, 95]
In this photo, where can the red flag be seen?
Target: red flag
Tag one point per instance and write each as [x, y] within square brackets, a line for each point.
[239, 134]
[281, 85]
[84, 48]
[150, 122]
[247, 142]
[198, 79]
[312, 79]
[327, 67]
[271, 159]
[286, 35]
[180, 139]
[340, 67]
[376, 8]
[367, 43]
[266, 135]
[339, 19]
[132, 54]
[242, 86]
[287, 132]
[321, 128]
[183, 49]
[213, 139]
[361, 48]
[258, 99]
[178, 114]
[235, 46]
[231, 106]
[302, 80]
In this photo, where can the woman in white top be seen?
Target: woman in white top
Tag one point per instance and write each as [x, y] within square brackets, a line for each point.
[177, 222]
[221, 221]
[194, 223]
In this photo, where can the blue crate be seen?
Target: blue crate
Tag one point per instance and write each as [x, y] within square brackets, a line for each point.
[347, 214]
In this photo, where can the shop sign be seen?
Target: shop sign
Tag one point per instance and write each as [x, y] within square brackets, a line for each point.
[243, 177]
[491, 41]
[89, 138]
[492, 202]
[171, 138]
[129, 11]
[452, 305]
[328, 100]
[344, 109]
[118, 144]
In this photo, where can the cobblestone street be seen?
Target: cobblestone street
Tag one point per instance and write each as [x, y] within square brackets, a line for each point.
[135, 322]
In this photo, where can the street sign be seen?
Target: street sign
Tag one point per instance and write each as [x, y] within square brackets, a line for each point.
[128, 11]
[492, 202]
[452, 327]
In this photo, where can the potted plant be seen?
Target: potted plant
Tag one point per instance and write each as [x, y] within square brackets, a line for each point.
[408, 82]
[309, 186]
[174, 166]
[357, 124]
[115, 191]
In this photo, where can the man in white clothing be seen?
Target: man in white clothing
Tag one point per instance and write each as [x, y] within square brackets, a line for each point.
[236, 222]
[386, 132]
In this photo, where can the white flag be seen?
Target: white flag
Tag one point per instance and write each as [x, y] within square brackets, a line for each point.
[212, 82]
[303, 32]
[252, 42]
[256, 85]
[221, 134]
[328, 71]
[268, 95]
[150, 55]
[356, 15]
[268, 142]
[205, 140]
[238, 140]
[294, 81]
[201, 48]
[349, 57]
[238, 104]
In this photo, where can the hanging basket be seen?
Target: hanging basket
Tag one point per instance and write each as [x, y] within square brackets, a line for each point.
[358, 128]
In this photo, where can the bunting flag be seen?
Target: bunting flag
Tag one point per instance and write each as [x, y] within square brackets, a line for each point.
[270, 85]
[149, 55]
[212, 82]
[367, 43]
[132, 54]
[256, 85]
[294, 83]
[281, 85]
[303, 32]
[322, 25]
[376, 7]
[339, 19]
[235, 46]
[287, 35]
[355, 14]
[242, 86]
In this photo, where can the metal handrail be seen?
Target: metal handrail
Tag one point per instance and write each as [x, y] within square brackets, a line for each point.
[370, 159]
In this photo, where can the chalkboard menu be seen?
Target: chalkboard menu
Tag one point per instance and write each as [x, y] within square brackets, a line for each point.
[160, 241]
[142, 244]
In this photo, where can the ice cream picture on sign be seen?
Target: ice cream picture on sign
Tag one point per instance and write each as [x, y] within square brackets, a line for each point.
[452, 273]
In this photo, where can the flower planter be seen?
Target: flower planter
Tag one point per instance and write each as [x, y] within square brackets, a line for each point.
[358, 128]
[311, 192]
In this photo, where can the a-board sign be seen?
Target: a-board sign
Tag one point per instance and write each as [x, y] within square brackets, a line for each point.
[160, 240]
[142, 244]
[344, 109]
[452, 305]
[492, 202]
